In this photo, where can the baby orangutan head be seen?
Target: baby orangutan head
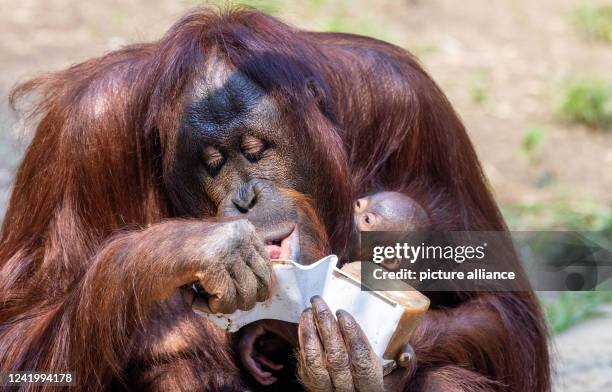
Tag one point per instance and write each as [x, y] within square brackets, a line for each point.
[390, 211]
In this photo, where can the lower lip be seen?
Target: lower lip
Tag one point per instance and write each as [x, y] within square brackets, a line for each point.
[274, 251]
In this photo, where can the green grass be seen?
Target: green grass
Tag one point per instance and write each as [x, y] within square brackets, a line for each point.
[572, 308]
[594, 21]
[533, 141]
[594, 221]
[560, 215]
[479, 88]
[588, 102]
[532, 145]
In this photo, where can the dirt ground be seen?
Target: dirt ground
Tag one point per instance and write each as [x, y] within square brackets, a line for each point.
[501, 63]
[583, 357]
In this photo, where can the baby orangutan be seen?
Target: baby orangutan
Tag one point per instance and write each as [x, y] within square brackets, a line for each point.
[264, 344]
[389, 211]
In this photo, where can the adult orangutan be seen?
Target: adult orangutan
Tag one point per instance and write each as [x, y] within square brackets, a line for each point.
[154, 168]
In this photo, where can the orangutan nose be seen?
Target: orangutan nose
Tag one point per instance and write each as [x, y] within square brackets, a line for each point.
[245, 198]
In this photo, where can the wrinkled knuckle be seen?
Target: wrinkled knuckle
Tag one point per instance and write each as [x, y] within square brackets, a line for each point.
[247, 228]
[351, 329]
[265, 280]
[254, 238]
[242, 224]
[364, 368]
[241, 302]
[240, 265]
[312, 356]
[346, 319]
[239, 229]
[248, 301]
[324, 313]
[338, 360]
[253, 260]
[259, 272]
[232, 307]
[229, 301]
[231, 227]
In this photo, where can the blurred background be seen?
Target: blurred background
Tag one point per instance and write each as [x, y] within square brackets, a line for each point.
[531, 79]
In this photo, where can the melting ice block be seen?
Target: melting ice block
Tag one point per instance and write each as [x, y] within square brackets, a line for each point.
[387, 318]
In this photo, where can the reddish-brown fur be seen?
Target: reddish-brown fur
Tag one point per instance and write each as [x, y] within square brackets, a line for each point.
[96, 175]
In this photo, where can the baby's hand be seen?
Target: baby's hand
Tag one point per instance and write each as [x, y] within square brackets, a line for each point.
[252, 349]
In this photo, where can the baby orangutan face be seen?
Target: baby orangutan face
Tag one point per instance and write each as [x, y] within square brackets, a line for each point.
[389, 211]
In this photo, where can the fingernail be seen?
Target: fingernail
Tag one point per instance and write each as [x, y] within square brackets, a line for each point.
[315, 298]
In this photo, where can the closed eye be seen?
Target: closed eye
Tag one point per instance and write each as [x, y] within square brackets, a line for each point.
[213, 159]
[252, 148]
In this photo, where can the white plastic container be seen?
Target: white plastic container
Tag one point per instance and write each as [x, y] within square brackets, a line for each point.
[386, 318]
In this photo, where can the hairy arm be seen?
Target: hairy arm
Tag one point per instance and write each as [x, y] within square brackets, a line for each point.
[90, 329]
[477, 346]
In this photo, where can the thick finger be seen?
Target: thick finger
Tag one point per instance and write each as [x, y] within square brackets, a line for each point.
[259, 246]
[262, 269]
[365, 365]
[218, 284]
[311, 367]
[246, 285]
[337, 357]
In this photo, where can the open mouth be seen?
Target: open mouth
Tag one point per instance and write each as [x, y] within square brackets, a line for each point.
[283, 244]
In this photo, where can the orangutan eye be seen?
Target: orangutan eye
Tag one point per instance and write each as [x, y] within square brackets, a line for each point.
[213, 159]
[367, 219]
[252, 148]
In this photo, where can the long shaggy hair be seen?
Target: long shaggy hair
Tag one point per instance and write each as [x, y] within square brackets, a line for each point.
[100, 165]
